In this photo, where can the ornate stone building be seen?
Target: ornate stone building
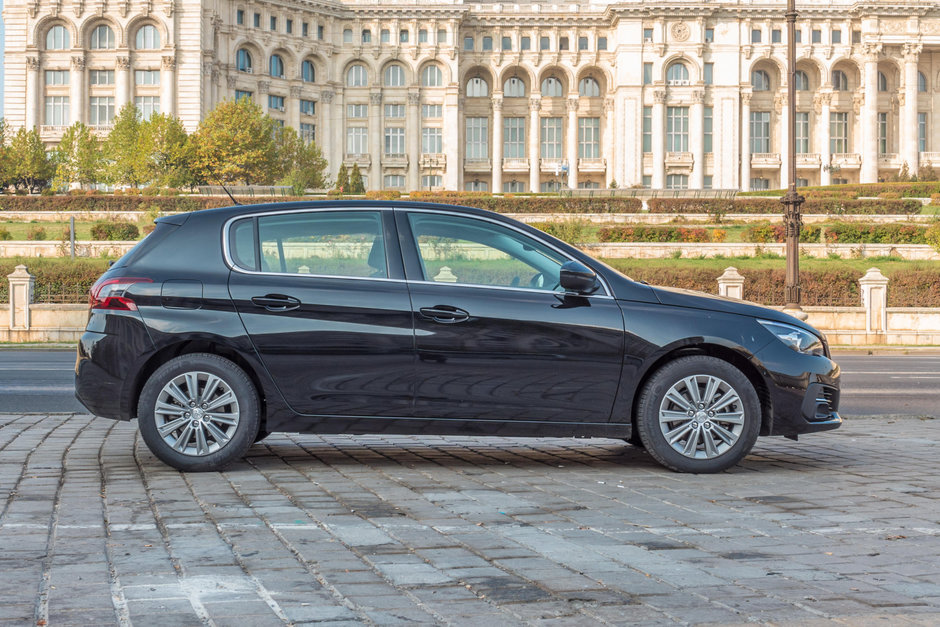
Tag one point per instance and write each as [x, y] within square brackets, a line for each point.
[508, 96]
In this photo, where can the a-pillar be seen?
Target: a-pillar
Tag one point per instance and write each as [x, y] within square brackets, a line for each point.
[32, 92]
[875, 300]
[822, 133]
[375, 139]
[784, 138]
[745, 183]
[535, 104]
[413, 137]
[697, 139]
[294, 106]
[659, 140]
[453, 172]
[910, 149]
[21, 295]
[572, 140]
[168, 87]
[608, 150]
[122, 82]
[77, 90]
[497, 151]
[869, 171]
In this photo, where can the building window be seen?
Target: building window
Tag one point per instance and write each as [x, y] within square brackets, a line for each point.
[677, 181]
[799, 36]
[357, 111]
[589, 138]
[514, 138]
[320, 32]
[525, 43]
[100, 110]
[882, 133]
[551, 138]
[816, 36]
[430, 181]
[856, 36]
[477, 139]
[589, 88]
[147, 77]
[677, 129]
[588, 185]
[513, 187]
[347, 35]
[394, 181]
[800, 182]
[647, 129]
[838, 132]
[394, 140]
[514, 88]
[836, 36]
[802, 81]
[551, 88]
[57, 110]
[648, 35]
[431, 76]
[840, 181]
[276, 103]
[647, 181]
[272, 23]
[100, 77]
[57, 77]
[802, 132]
[755, 36]
[506, 44]
[240, 17]
[760, 183]
[545, 43]
[882, 82]
[431, 140]
[304, 29]
[708, 130]
[487, 43]
[468, 43]
[394, 111]
[385, 36]
[760, 132]
[647, 73]
[760, 80]
[394, 76]
[582, 43]
[476, 186]
[243, 61]
[308, 132]
[441, 36]
[102, 38]
[677, 74]
[57, 38]
[922, 132]
[707, 181]
[403, 36]
[147, 106]
[276, 66]
[563, 43]
[477, 88]
[257, 20]
[357, 140]
[432, 111]
[308, 73]
[357, 77]
[709, 35]
[602, 43]
[242, 95]
[423, 36]
[709, 73]
[921, 83]
[289, 26]
[775, 36]
[550, 187]
[148, 37]
[308, 107]
[366, 36]
[840, 81]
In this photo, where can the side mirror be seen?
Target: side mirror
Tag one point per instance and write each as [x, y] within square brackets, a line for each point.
[577, 278]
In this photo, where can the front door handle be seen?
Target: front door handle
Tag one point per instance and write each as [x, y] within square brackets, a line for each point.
[445, 314]
[276, 302]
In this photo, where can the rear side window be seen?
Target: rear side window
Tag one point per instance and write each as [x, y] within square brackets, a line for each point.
[326, 243]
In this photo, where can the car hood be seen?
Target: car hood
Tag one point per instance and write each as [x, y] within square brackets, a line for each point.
[700, 300]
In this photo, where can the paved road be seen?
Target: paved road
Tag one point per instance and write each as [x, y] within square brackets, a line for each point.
[41, 381]
[840, 528]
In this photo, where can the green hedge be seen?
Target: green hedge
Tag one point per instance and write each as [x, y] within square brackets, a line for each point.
[114, 231]
[57, 280]
[851, 233]
[923, 189]
[765, 232]
[512, 203]
[642, 233]
[825, 205]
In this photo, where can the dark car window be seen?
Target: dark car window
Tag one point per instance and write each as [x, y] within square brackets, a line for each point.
[242, 243]
[477, 252]
[330, 243]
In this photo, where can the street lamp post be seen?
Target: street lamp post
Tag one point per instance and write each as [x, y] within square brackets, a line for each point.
[792, 201]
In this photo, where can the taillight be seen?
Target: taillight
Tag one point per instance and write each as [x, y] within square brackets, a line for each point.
[110, 294]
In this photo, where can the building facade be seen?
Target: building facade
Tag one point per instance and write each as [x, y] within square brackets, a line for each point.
[512, 97]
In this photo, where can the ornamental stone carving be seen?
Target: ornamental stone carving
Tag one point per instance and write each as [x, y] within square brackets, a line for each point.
[681, 31]
[414, 98]
[122, 63]
[264, 87]
[571, 104]
[78, 63]
[230, 82]
[911, 51]
[535, 104]
[169, 63]
[375, 98]
[659, 96]
[32, 64]
[746, 98]
[497, 104]
[698, 96]
[296, 91]
[326, 96]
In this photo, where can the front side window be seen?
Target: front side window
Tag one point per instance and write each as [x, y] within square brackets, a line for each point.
[148, 37]
[102, 38]
[760, 131]
[57, 38]
[677, 129]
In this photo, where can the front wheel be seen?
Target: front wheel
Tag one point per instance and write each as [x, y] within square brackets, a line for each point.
[199, 412]
[698, 414]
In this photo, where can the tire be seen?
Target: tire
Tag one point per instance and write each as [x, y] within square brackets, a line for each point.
[190, 432]
[261, 435]
[721, 431]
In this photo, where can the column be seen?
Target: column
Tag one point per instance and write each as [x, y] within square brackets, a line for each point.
[745, 183]
[168, 87]
[413, 138]
[453, 172]
[822, 137]
[497, 151]
[20, 296]
[875, 300]
[784, 138]
[32, 92]
[77, 90]
[607, 143]
[293, 107]
[910, 150]
[535, 104]
[264, 88]
[697, 139]
[122, 83]
[659, 140]
[375, 138]
[338, 149]
[869, 121]
[571, 153]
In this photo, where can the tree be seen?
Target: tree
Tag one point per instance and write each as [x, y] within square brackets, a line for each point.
[356, 184]
[342, 179]
[166, 151]
[236, 143]
[302, 164]
[29, 166]
[77, 157]
[121, 156]
[5, 161]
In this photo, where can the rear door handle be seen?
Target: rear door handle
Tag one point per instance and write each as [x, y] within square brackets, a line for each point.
[276, 302]
[445, 314]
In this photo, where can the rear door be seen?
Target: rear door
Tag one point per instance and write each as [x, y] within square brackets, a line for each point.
[322, 296]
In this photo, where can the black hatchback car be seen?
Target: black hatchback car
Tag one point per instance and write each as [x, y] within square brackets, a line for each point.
[225, 325]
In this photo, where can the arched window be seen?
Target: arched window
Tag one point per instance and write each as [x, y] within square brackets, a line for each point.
[356, 76]
[276, 66]
[148, 37]
[551, 87]
[921, 83]
[57, 38]
[802, 81]
[760, 80]
[677, 74]
[589, 88]
[102, 38]
[840, 81]
[431, 76]
[307, 72]
[243, 61]
[882, 82]
[477, 88]
[514, 88]
[394, 76]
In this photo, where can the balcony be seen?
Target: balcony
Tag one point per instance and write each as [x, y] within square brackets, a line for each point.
[597, 164]
[889, 161]
[433, 160]
[55, 130]
[682, 160]
[808, 161]
[101, 129]
[395, 160]
[515, 164]
[477, 164]
[362, 160]
[552, 166]
[930, 158]
[765, 160]
[847, 160]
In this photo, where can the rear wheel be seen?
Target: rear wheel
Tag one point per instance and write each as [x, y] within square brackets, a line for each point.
[698, 414]
[199, 412]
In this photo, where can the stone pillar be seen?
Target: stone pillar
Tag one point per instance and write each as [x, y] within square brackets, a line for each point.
[781, 103]
[875, 300]
[822, 134]
[731, 283]
[658, 180]
[607, 142]
[77, 90]
[122, 83]
[325, 124]
[339, 129]
[571, 150]
[168, 87]
[745, 184]
[535, 104]
[697, 139]
[264, 89]
[375, 138]
[413, 139]
[453, 172]
[293, 107]
[869, 171]
[33, 99]
[21, 295]
[910, 151]
[497, 152]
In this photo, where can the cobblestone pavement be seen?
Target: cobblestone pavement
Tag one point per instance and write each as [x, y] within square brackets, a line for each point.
[841, 527]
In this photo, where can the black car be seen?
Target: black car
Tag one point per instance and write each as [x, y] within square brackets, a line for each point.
[225, 325]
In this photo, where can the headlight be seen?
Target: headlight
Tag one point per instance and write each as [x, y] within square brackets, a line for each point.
[798, 339]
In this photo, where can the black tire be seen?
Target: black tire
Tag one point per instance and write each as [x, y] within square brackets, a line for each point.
[715, 382]
[261, 435]
[221, 442]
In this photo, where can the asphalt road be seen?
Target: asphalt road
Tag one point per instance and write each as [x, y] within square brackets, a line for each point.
[42, 381]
